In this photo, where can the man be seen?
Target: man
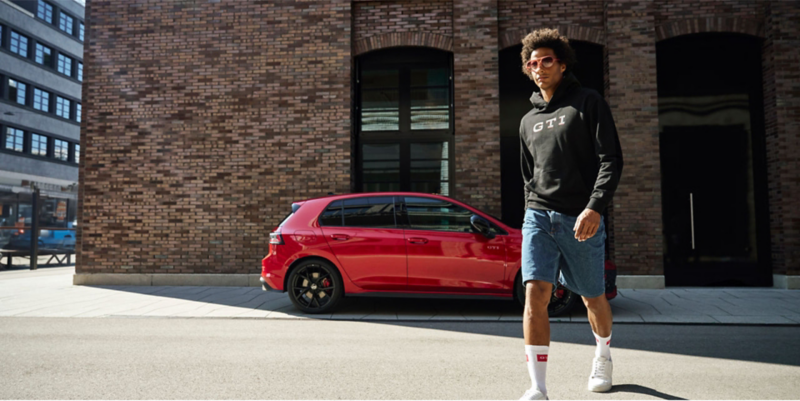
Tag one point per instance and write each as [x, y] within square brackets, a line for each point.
[571, 164]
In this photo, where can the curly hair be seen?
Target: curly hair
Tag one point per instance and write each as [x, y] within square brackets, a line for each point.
[549, 38]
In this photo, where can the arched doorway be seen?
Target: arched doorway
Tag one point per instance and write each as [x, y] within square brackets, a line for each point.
[713, 160]
[515, 92]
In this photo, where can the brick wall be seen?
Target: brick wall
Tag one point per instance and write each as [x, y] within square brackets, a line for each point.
[578, 20]
[203, 121]
[382, 24]
[633, 97]
[477, 106]
[371, 18]
[782, 114]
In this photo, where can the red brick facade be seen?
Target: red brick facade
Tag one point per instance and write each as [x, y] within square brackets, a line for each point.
[203, 120]
[782, 108]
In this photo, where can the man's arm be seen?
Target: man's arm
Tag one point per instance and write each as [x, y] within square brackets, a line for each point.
[526, 161]
[609, 156]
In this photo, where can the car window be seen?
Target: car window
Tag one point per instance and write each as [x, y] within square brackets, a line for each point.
[371, 211]
[435, 214]
[332, 216]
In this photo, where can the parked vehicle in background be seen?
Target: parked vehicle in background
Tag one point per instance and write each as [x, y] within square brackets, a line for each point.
[395, 243]
[48, 239]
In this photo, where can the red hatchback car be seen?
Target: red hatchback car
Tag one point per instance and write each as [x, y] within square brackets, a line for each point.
[395, 243]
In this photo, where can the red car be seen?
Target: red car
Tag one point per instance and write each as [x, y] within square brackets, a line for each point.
[395, 243]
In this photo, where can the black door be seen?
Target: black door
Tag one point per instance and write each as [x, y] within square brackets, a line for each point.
[713, 161]
[709, 211]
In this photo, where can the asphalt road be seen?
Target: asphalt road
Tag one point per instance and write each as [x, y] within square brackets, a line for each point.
[157, 358]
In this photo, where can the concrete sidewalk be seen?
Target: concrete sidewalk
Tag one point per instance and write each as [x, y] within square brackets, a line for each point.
[48, 292]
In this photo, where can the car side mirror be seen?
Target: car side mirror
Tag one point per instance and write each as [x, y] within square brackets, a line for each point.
[481, 225]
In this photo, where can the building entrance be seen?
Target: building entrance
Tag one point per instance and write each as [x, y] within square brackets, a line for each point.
[713, 161]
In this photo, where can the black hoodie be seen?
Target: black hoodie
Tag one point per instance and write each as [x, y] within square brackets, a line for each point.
[569, 150]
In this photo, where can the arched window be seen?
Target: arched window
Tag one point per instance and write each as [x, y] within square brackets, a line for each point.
[404, 114]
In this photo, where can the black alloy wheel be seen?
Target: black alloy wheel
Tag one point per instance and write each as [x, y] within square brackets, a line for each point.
[315, 287]
[562, 300]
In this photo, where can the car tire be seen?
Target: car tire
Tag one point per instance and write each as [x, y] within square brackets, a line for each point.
[315, 286]
[562, 300]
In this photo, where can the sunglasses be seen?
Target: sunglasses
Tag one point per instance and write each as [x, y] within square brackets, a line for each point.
[543, 62]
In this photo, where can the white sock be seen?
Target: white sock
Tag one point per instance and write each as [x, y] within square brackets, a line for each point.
[603, 346]
[536, 355]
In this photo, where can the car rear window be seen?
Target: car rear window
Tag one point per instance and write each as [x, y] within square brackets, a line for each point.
[332, 215]
[368, 211]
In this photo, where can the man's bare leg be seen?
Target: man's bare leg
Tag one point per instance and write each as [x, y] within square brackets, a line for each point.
[599, 312]
[535, 322]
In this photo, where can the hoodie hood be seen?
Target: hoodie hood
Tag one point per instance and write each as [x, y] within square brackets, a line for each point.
[568, 84]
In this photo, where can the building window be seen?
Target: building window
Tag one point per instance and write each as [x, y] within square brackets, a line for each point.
[77, 153]
[64, 65]
[44, 55]
[38, 145]
[16, 91]
[65, 23]
[41, 100]
[78, 112]
[45, 12]
[19, 44]
[62, 107]
[60, 149]
[14, 139]
[80, 71]
[405, 129]
[80, 32]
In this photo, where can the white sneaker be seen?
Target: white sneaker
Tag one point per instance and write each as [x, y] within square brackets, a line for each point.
[533, 394]
[600, 380]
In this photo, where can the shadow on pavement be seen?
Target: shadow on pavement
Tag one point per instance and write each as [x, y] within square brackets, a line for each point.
[637, 389]
[484, 317]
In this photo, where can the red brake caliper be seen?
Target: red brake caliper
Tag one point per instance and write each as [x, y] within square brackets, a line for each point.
[559, 293]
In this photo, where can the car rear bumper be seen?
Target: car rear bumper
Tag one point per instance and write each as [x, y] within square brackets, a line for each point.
[265, 285]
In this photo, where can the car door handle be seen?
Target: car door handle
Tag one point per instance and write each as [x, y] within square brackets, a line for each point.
[340, 237]
[418, 240]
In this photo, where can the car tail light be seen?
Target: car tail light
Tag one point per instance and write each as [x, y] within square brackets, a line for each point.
[275, 238]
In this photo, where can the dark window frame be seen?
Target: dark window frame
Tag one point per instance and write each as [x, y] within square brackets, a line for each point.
[47, 59]
[41, 4]
[67, 63]
[65, 108]
[40, 102]
[19, 39]
[24, 91]
[404, 60]
[71, 19]
[34, 148]
[57, 149]
[6, 136]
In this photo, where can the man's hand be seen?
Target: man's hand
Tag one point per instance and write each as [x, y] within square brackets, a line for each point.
[586, 225]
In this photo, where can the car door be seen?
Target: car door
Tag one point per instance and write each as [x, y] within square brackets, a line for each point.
[445, 254]
[363, 235]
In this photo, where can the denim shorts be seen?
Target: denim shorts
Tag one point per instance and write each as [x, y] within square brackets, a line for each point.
[548, 243]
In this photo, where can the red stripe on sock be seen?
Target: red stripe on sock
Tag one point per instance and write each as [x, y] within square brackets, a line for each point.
[541, 358]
